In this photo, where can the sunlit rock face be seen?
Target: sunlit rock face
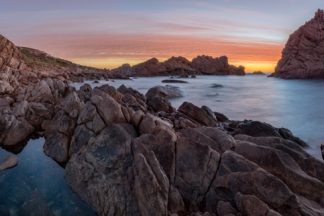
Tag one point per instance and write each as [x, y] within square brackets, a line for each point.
[303, 55]
[10, 57]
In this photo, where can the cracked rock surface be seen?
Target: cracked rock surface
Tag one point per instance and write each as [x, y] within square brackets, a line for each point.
[302, 57]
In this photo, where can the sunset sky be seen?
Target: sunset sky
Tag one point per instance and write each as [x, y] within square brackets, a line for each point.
[112, 32]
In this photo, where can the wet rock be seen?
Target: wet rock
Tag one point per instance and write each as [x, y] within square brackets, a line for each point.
[8, 162]
[174, 81]
[216, 86]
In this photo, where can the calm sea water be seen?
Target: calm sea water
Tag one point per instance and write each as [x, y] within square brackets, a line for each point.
[294, 104]
[36, 186]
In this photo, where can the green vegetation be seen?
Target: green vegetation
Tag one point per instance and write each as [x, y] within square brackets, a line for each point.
[38, 59]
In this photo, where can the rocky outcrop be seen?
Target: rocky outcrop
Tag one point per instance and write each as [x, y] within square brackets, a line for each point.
[130, 154]
[302, 57]
[204, 65]
[124, 156]
[10, 56]
[127, 160]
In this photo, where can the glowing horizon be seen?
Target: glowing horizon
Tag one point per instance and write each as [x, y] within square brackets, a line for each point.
[109, 33]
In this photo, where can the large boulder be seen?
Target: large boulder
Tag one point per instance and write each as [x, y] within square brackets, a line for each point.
[13, 131]
[197, 114]
[261, 129]
[101, 173]
[302, 57]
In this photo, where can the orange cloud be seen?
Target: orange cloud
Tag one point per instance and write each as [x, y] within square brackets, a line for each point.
[112, 50]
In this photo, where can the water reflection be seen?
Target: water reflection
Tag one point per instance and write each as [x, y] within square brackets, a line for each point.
[36, 186]
[294, 104]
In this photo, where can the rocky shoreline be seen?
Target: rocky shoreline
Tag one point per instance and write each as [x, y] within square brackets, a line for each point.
[125, 153]
[129, 154]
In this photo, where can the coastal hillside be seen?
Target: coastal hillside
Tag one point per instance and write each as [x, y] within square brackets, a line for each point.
[40, 64]
[302, 57]
[22, 64]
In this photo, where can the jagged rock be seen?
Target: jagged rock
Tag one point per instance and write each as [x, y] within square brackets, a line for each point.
[197, 114]
[80, 138]
[261, 129]
[181, 66]
[101, 173]
[302, 57]
[157, 98]
[37, 113]
[283, 166]
[164, 92]
[13, 130]
[10, 57]
[8, 162]
[5, 87]
[194, 176]
[173, 81]
[109, 110]
[57, 146]
[151, 185]
[215, 66]
[250, 205]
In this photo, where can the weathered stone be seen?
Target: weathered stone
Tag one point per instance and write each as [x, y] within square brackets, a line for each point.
[197, 114]
[302, 55]
[8, 162]
[80, 138]
[109, 110]
[101, 173]
[57, 146]
[194, 176]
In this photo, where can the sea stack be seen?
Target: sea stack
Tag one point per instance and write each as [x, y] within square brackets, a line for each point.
[303, 55]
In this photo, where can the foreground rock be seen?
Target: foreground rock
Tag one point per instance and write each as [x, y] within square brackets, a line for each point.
[8, 162]
[302, 55]
[123, 160]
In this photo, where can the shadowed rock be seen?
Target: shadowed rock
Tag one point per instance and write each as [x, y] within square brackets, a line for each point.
[302, 55]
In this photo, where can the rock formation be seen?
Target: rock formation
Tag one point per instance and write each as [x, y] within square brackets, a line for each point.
[204, 65]
[302, 57]
[129, 154]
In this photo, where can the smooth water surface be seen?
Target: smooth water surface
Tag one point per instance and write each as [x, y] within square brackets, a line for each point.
[294, 104]
[36, 186]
